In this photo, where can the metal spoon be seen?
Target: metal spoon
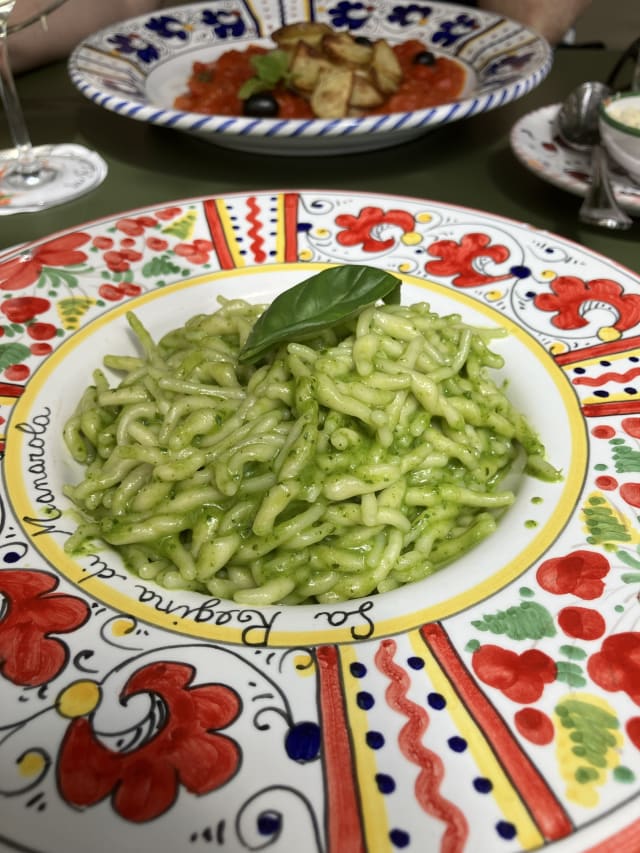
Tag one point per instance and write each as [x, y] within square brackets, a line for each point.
[577, 124]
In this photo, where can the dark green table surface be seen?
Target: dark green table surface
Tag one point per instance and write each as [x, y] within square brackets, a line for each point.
[469, 162]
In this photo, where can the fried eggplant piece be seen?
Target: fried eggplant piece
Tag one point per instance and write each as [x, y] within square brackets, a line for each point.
[330, 97]
[305, 67]
[310, 32]
[385, 68]
[342, 49]
[364, 95]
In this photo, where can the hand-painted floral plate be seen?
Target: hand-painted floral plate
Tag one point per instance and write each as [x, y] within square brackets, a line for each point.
[537, 146]
[493, 706]
[137, 68]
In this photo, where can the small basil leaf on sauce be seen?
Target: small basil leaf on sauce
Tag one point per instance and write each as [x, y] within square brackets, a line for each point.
[319, 302]
[270, 68]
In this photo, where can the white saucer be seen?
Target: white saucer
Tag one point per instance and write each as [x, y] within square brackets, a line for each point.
[537, 146]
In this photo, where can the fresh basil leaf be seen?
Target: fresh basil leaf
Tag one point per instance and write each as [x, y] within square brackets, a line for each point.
[319, 302]
[271, 68]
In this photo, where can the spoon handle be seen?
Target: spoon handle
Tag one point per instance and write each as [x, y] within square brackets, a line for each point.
[600, 206]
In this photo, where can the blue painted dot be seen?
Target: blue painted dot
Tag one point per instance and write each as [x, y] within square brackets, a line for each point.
[579, 370]
[483, 785]
[11, 557]
[399, 838]
[302, 742]
[365, 700]
[600, 393]
[630, 391]
[605, 363]
[633, 358]
[303, 226]
[457, 744]
[436, 701]
[505, 830]
[386, 785]
[358, 670]
[269, 823]
[415, 662]
[520, 271]
[375, 740]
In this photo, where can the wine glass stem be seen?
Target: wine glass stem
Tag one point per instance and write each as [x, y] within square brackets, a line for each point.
[26, 161]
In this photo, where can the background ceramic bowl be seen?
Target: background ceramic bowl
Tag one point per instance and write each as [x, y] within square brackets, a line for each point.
[619, 120]
[138, 67]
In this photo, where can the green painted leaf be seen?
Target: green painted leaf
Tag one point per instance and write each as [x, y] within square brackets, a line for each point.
[525, 621]
[319, 302]
[13, 353]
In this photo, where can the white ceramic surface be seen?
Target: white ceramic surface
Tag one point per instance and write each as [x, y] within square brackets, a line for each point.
[622, 139]
[537, 146]
[492, 707]
[137, 67]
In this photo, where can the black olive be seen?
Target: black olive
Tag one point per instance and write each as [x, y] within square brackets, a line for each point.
[425, 57]
[261, 105]
[364, 40]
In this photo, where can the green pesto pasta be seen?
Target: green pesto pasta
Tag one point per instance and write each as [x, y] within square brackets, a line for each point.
[353, 463]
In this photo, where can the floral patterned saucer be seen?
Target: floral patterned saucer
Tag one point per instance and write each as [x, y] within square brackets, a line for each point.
[537, 146]
[494, 706]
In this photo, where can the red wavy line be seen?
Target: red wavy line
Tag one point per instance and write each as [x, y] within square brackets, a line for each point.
[410, 741]
[607, 377]
[547, 812]
[344, 831]
[255, 229]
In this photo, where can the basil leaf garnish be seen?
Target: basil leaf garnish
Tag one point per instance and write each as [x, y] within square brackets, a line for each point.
[319, 302]
[271, 68]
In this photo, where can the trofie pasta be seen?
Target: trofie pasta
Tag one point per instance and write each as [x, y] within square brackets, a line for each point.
[364, 458]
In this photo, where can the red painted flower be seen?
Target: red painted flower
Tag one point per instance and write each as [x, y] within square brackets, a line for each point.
[583, 623]
[578, 573]
[633, 730]
[114, 292]
[534, 725]
[361, 229]
[32, 612]
[573, 296]
[465, 260]
[196, 252]
[186, 750]
[23, 308]
[134, 227]
[157, 244]
[102, 242]
[617, 665]
[521, 677]
[24, 270]
[168, 212]
[120, 261]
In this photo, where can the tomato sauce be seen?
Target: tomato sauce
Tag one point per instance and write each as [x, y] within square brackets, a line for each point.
[213, 86]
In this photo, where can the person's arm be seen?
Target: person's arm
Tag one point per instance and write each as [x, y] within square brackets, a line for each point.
[551, 18]
[66, 27]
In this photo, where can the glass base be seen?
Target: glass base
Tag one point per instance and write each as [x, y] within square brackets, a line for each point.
[65, 172]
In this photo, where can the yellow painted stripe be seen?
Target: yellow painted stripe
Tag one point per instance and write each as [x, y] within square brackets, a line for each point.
[508, 799]
[374, 812]
[229, 233]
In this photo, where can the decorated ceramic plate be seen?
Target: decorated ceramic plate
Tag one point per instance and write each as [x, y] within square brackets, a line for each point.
[537, 146]
[493, 705]
[137, 68]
